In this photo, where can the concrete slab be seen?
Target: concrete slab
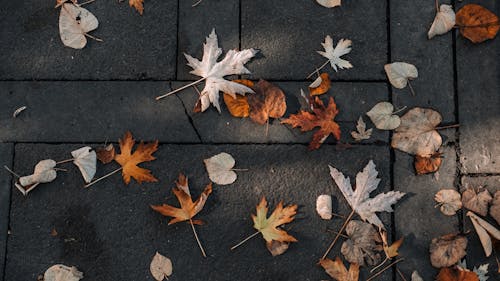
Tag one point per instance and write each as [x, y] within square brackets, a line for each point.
[6, 157]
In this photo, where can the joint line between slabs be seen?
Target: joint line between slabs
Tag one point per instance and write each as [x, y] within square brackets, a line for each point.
[8, 217]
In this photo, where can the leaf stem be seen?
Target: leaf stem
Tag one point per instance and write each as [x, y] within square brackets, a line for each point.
[241, 170]
[384, 269]
[437, 6]
[317, 69]
[10, 171]
[400, 274]
[180, 89]
[65, 161]
[399, 110]
[338, 234]
[447, 127]
[93, 37]
[197, 3]
[382, 263]
[103, 177]
[85, 3]
[244, 240]
[197, 239]
[341, 235]
[411, 88]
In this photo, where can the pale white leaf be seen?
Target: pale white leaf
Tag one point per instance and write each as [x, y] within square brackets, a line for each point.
[86, 160]
[333, 55]
[481, 272]
[44, 172]
[219, 168]
[160, 267]
[316, 82]
[60, 272]
[399, 73]
[416, 277]
[329, 3]
[443, 22]
[449, 201]
[74, 23]
[382, 116]
[324, 206]
[361, 133]
[18, 111]
[484, 229]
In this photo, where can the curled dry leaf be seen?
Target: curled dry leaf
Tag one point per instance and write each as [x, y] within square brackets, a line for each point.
[477, 23]
[86, 160]
[447, 250]
[329, 3]
[382, 116]
[337, 270]
[138, 5]
[60, 272]
[324, 206]
[449, 201]
[160, 267]
[361, 132]
[399, 73]
[443, 22]
[456, 273]
[44, 172]
[219, 168]
[495, 207]
[425, 165]
[106, 154]
[18, 111]
[322, 117]
[417, 134]
[321, 85]
[74, 24]
[484, 230]
[238, 104]
[416, 277]
[268, 101]
[477, 200]
[363, 244]
[333, 55]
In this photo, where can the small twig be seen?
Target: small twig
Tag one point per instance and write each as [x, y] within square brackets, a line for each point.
[65, 161]
[10, 171]
[411, 88]
[447, 127]
[376, 267]
[335, 232]
[338, 235]
[317, 69]
[400, 274]
[384, 269]
[197, 239]
[85, 3]
[239, 170]
[180, 89]
[103, 177]
[244, 240]
[399, 110]
[93, 37]
[437, 6]
[197, 3]
[60, 169]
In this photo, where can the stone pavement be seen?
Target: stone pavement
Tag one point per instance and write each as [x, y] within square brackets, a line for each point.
[92, 96]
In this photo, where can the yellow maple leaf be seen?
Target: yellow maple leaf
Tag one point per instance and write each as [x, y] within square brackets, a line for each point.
[268, 227]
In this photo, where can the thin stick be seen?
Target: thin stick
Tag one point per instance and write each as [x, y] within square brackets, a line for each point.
[197, 3]
[338, 235]
[10, 171]
[85, 3]
[317, 69]
[93, 37]
[60, 169]
[437, 6]
[399, 110]
[180, 89]
[400, 274]
[341, 235]
[242, 170]
[447, 127]
[376, 267]
[65, 161]
[411, 88]
[197, 239]
[244, 240]
[103, 177]
[384, 269]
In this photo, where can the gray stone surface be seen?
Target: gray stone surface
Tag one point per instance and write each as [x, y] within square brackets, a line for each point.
[110, 232]
[352, 99]
[6, 154]
[290, 32]
[410, 21]
[91, 112]
[479, 102]
[416, 219]
[196, 23]
[135, 47]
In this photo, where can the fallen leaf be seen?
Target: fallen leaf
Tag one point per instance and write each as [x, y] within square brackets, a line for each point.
[449, 201]
[268, 101]
[477, 23]
[399, 73]
[324, 206]
[484, 230]
[44, 172]
[416, 277]
[188, 209]
[60, 272]
[477, 200]
[106, 154]
[320, 86]
[219, 168]
[337, 270]
[74, 24]
[137, 4]
[392, 250]
[53, 232]
[277, 248]
[359, 198]
[443, 22]
[382, 116]
[18, 111]
[329, 3]
[269, 227]
[495, 207]
[447, 250]
[238, 104]
[160, 267]
[417, 134]
[481, 272]
[456, 274]
[333, 55]
[86, 160]
[361, 132]
[322, 117]
[305, 101]
[129, 160]
[425, 165]
[363, 244]
[213, 72]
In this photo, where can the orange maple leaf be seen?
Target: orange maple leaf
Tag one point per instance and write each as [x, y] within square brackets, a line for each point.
[129, 160]
[337, 270]
[137, 4]
[322, 117]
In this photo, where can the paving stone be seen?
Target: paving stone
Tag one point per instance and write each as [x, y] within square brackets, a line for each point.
[91, 112]
[352, 99]
[109, 232]
[290, 32]
[478, 88]
[410, 22]
[416, 219]
[6, 154]
[135, 47]
[196, 23]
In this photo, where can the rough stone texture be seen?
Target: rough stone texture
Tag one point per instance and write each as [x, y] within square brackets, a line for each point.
[91, 112]
[6, 154]
[135, 47]
[416, 219]
[410, 21]
[110, 232]
[290, 32]
[478, 103]
[223, 15]
[352, 99]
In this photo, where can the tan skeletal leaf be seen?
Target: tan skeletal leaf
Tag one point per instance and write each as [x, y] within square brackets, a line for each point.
[447, 250]
[495, 207]
[60, 272]
[324, 206]
[484, 230]
[219, 168]
[86, 160]
[333, 55]
[363, 244]
[44, 172]
[443, 22]
[329, 3]
[449, 201]
[399, 73]
[477, 201]
[382, 116]
[160, 267]
[74, 23]
[361, 132]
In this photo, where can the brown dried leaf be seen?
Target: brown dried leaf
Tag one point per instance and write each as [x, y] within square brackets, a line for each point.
[495, 208]
[476, 201]
[277, 248]
[447, 250]
[160, 267]
[337, 270]
[106, 154]
[323, 87]
[426, 165]
[449, 201]
[268, 101]
[238, 104]
[363, 244]
[477, 23]
[391, 251]
[456, 274]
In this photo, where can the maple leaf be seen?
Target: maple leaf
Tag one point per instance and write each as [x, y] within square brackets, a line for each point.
[337, 270]
[359, 199]
[456, 274]
[333, 55]
[129, 160]
[322, 117]
[361, 132]
[137, 4]
[213, 72]
[237, 104]
[363, 244]
[391, 251]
